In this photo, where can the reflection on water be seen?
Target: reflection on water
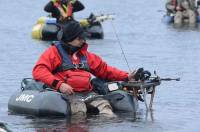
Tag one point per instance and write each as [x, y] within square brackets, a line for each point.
[77, 124]
[84, 123]
[186, 27]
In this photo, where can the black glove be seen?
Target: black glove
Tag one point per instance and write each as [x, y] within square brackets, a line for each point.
[146, 75]
[138, 73]
[91, 19]
[142, 74]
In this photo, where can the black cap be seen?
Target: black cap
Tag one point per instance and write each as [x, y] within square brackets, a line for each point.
[70, 31]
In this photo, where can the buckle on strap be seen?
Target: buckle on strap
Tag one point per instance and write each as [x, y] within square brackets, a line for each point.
[80, 66]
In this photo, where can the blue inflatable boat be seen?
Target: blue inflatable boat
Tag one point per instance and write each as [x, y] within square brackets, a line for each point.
[45, 102]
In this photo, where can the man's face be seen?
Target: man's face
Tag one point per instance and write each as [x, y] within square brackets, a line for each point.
[78, 42]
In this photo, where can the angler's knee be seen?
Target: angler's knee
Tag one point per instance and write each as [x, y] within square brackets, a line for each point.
[103, 106]
[178, 17]
[192, 16]
[78, 107]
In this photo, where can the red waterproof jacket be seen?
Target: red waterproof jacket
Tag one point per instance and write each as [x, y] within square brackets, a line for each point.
[78, 79]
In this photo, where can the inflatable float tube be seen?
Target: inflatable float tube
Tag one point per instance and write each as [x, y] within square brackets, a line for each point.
[168, 19]
[50, 103]
[47, 28]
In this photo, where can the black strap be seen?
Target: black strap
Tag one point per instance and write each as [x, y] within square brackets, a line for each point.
[67, 63]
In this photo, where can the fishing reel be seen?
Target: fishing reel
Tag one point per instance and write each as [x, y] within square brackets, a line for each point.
[142, 75]
[92, 19]
[144, 83]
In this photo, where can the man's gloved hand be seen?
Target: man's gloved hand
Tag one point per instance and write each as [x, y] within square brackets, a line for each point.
[91, 19]
[145, 75]
[139, 74]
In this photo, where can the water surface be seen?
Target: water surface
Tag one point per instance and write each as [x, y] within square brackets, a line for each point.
[146, 41]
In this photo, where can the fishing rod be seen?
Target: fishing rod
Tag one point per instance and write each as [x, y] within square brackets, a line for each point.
[144, 84]
[119, 42]
[143, 87]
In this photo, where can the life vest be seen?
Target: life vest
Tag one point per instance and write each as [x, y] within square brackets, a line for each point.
[77, 75]
[68, 9]
[67, 63]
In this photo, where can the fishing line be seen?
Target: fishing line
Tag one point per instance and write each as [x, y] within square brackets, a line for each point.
[118, 40]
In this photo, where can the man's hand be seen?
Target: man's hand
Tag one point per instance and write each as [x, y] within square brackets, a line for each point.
[65, 88]
[131, 75]
[178, 8]
[139, 74]
[91, 19]
[142, 74]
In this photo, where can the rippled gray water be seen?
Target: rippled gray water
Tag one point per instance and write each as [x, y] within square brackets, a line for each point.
[147, 42]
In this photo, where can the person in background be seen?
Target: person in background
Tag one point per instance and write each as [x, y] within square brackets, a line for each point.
[63, 10]
[182, 9]
[68, 67]
[171, 7]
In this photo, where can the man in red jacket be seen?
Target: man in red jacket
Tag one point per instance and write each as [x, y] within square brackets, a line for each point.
[68, 67]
